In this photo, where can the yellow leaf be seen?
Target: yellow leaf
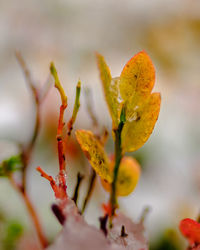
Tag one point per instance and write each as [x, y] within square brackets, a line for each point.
[94, 151]
[137, 131]
[136, 81]
[111, 89]
[128, 176]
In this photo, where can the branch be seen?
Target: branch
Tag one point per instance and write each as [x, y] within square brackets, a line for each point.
[89, 191]
[58, 84]
[59, 191]
[75, 109]
[31, 211]
[95, 124]
[118, 157]
[27, 74]
[60, 141]
[89, 106]
[76, 192]
[26, 152]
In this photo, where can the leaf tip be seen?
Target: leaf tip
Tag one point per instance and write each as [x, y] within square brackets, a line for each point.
[53, 69]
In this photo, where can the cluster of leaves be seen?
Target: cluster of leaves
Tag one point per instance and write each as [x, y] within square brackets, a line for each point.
[134, 110]
[132, 90]
[10, 165]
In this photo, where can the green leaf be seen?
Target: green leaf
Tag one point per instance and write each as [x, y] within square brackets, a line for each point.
[10, 165]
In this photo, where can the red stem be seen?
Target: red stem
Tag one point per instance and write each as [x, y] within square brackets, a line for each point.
[61, 144]
[31, 211]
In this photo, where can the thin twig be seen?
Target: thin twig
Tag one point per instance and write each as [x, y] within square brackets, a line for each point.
[144, 214]
[26, 72]
[89, 106]
[44, 90]
[102, 139]
[27, 152]
[89, 191]
[103, 222]
[35, 220]
[75, 109]
[59, 137]
[31, 211]
[123, 232]
[76, 192]
[60, 141]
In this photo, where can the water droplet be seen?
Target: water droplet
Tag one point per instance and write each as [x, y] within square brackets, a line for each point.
[62, 174]
[112, 83]
[115, 81]
[119, 99]
[114, 88]
[133, 117]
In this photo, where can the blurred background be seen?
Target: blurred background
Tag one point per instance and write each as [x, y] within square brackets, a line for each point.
[69, 33]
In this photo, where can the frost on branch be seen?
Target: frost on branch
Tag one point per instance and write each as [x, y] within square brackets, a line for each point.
[77, 234]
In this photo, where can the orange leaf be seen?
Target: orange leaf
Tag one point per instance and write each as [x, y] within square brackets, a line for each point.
[191, 230]
[136, 81]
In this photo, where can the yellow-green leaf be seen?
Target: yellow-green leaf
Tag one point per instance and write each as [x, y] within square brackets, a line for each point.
[128, 176]
[111, 90]
[94, 151]
[137, 131]
[136, 81]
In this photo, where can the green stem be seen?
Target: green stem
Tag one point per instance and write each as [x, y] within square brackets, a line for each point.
[118, 158]
[75, 109]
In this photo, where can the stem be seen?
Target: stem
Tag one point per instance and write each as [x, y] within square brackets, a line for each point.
[61, 145]
[89, 191]
[60, 142]
[37, 122]
[76, 192]
[90, 106]
[118, 158]
[31, 211]
[35, 220]
[27, 152]
[75, 109]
